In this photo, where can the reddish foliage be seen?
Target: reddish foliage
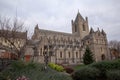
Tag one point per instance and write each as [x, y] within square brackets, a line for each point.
[69, 70]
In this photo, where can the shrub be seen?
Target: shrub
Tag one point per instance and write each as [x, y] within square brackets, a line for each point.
[56, 67]
[61, 65]
[52, 65]
[113, 75]
[58, 76]
[107, 65]
[31, 65]
[33, 71]
[86, 73]
[18, 65]
[59, 68]
[69, 70]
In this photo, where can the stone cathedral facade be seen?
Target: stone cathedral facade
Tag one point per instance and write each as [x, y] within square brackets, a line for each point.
[66, 48]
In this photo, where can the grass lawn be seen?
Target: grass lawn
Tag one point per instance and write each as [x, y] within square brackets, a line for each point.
[77, 67]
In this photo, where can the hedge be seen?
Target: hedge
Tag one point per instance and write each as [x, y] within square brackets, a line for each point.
[86, 73]
[104, 70]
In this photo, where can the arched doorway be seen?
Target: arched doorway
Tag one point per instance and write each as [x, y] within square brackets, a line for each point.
[103, 57]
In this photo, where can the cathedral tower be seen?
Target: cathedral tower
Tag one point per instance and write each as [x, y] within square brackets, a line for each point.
[80, 26]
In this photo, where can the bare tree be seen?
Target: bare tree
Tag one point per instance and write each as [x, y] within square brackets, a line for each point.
[115, 48]
[12, 35]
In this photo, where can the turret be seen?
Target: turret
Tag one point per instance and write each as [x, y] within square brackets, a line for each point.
[91, 30]
[86, 18]
[36, 30]
[103, 32]
[36, 27]
[98, 30]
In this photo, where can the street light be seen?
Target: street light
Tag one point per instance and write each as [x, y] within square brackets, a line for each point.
[46, 51]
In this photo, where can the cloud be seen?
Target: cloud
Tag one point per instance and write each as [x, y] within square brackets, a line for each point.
[57, 14]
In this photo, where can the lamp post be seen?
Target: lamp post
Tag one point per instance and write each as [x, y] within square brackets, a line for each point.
[46, 52]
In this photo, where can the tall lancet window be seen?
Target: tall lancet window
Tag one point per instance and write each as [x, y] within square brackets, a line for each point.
[61, 55]
[75, 28]
[84, 28]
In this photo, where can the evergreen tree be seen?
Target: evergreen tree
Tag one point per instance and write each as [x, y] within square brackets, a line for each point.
[88, 56]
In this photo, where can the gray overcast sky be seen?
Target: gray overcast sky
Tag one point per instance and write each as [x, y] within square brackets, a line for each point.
[57, 14]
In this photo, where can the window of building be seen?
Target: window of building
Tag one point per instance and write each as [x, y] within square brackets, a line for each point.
[76, 54]
[88, 42]
[84, 28]
[60, 54]
[69, 54]
[40, 51]
[75, 28]
[102, 57]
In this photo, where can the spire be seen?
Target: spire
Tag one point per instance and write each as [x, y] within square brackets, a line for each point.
[91, 30]
[78, 10]
[103, 32]
[78, 16]
[98, 32]
[36, 27]
[86, 18]
[98, 29]
[72, 21]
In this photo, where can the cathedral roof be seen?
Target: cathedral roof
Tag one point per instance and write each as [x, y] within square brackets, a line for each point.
[86, 37]
[54, 32]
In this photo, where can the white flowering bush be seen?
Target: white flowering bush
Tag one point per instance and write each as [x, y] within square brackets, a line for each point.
[22, 78]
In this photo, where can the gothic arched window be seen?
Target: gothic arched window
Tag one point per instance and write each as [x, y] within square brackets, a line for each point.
[69, 54]
[75, 28]
[76, 54]
[84, 28]
[41, 51]
[103, 57]
[60, 54]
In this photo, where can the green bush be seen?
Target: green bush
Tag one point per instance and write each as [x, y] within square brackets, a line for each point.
[56, 67]
[16, 69]
[18, 65]
[31, 70]
[86, 73]
[52, 65]
[108, 65]
[104, 70]
[105, 66]
[113, 75]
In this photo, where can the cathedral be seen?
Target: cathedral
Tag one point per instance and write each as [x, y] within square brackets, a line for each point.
[68, 48]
